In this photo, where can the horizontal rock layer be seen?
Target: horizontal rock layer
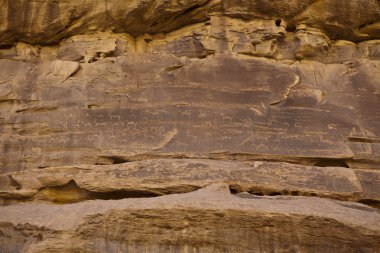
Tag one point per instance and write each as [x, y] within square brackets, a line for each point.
[168, 176]
[209, 220]
[50, 21]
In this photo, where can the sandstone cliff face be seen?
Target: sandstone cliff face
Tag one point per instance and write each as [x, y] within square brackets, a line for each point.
[260, 121]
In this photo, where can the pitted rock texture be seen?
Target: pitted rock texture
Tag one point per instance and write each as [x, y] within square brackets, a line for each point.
[106, 106]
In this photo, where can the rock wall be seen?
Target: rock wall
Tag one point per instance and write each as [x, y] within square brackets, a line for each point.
[190, 126]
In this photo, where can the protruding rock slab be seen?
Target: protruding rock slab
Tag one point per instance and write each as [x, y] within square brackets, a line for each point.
[370, 181]
[167, 176]
[208, 220]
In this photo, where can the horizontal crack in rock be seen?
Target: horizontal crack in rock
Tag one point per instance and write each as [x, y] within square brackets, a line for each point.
[157, 177]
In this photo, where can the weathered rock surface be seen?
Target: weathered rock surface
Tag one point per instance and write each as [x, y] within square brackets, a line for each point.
[166, 176]
[104, 102]
[49, 21]
[209, 220]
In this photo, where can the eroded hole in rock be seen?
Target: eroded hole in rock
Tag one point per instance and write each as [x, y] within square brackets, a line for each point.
[278, 22]
[329, 162]
[14, 184]
[291, 28]
[118, 160]
[233, 191]
[68, 193]
[71, 193]
[109, 160]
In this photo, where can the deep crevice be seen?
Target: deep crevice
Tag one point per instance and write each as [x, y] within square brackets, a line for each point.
[274, 194]
[363, 140]
[331, 162]
[122, 194]
[119, 160]
[110, 160]
[370, 202]
[187, 11]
